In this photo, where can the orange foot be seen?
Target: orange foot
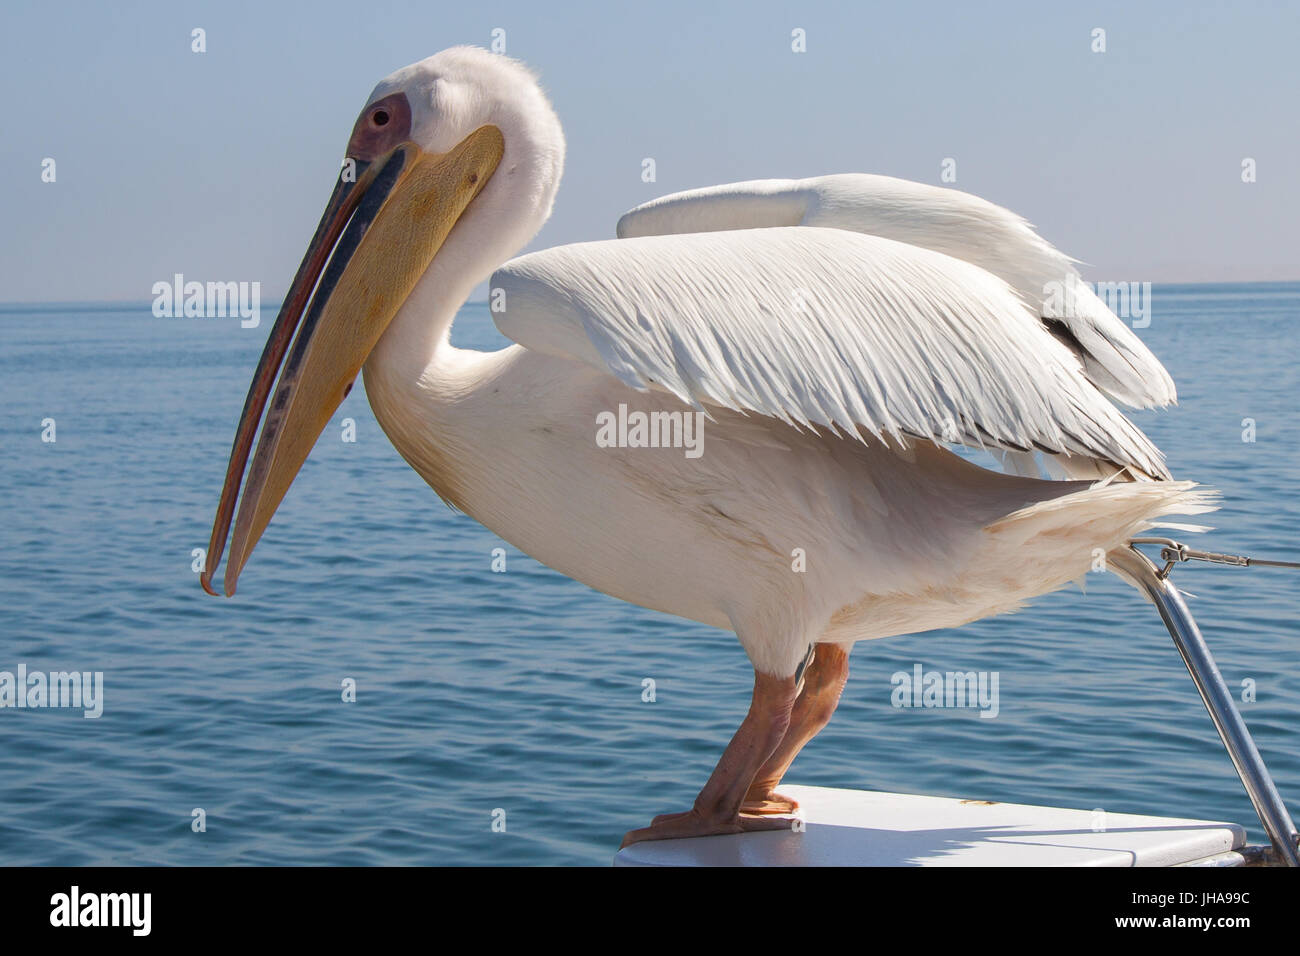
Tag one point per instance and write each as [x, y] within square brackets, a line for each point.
[675, 826]
[768, 803]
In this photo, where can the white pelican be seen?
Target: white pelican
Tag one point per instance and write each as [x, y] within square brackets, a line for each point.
[838, 333]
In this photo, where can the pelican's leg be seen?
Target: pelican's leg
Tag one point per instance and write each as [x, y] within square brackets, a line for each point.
[717, 808]
[823, 681]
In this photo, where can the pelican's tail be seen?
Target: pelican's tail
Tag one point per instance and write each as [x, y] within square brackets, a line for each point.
[1065, 538]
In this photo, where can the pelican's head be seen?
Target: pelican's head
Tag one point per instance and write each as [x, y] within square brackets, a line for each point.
[465, 139]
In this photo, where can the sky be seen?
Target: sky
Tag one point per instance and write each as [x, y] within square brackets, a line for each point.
[217, 164]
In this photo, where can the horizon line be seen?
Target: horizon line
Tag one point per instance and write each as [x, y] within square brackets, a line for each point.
[124, 303]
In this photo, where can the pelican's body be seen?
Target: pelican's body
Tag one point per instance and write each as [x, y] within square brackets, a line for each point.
[833, 335]
[509, 438]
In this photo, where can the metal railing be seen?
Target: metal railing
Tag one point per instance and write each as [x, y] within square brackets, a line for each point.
[1209, 682]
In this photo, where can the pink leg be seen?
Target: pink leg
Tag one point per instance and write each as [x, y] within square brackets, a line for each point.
[717, 808]
[823, 683]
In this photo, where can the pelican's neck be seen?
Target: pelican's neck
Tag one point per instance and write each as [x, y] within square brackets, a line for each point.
[421, 388]
[415, 379]
[499, 222]
[419, 333]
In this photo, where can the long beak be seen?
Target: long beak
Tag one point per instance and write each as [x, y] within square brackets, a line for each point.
[383, 231]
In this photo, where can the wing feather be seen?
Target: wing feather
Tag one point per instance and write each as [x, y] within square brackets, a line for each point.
[820, 328]
[944, 220]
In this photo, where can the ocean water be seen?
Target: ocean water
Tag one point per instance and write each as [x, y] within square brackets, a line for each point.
[520, 694]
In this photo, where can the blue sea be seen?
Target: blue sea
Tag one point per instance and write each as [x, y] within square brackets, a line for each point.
[517, 697]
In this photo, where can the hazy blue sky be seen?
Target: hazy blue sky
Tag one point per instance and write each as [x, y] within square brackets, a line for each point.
[217, 164]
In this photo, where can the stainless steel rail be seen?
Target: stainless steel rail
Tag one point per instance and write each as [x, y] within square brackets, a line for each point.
[1218, 699]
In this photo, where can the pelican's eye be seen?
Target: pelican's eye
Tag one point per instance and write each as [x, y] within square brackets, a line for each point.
[380, 127]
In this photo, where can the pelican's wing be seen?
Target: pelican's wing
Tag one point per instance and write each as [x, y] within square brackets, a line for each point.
[819, 327]
[945, 220]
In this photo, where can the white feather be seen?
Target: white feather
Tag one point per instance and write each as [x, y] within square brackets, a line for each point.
[819, 327]
[945, 220]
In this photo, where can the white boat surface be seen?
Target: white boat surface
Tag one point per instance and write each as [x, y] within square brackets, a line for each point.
[867, 828]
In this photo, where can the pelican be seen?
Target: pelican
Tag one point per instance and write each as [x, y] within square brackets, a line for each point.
[837, 337]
